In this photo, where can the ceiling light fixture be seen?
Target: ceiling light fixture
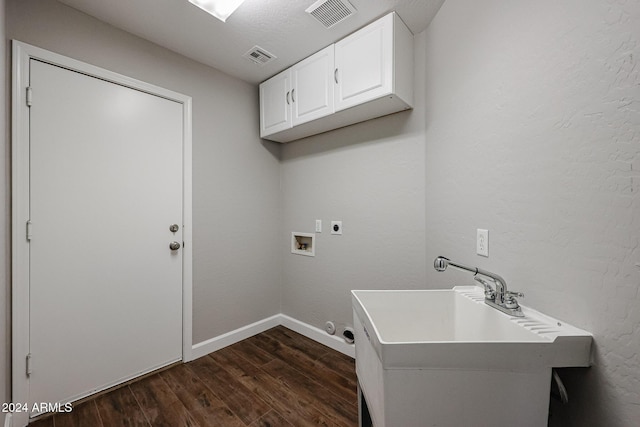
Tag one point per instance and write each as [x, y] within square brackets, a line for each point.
[221, 9]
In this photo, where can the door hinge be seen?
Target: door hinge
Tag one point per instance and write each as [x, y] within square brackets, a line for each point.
[29, 364]
[29, 230]
[29, 96]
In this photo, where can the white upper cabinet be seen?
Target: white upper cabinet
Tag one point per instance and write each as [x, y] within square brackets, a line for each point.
[375, 61]
[297, 95]
[312, 93]
[275, 104]
[364, 64]
[367, 74]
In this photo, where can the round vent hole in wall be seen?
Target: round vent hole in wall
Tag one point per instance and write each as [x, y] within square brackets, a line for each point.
[348, 336]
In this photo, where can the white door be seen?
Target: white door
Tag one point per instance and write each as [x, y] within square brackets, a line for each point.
[105, 186]
[275, 104]
[364, 64]
[312, 90]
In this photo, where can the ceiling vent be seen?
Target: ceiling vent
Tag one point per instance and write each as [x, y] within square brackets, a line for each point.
[259, 55]
[331, 12]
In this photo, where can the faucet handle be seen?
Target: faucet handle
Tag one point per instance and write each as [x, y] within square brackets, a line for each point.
[515, 294]
[484, 281]
[510, 300]
[489, 293]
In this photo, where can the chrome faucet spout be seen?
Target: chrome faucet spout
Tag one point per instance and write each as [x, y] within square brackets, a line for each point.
[441, 263]
[497, 298]
[501, 284]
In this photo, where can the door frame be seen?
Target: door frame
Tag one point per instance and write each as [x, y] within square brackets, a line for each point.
[22, 54]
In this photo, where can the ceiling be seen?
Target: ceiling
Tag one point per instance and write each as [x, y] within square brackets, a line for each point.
[280, 26]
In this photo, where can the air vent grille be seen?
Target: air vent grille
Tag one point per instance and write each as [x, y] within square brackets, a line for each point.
[331, 12]
[259, 55]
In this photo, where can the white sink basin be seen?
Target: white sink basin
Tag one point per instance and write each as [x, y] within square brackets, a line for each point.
[454, 328]
[447, 357]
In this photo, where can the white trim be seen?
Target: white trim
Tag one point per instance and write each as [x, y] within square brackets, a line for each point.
[22, 53]
[7, 420]
[318, 335]
[214, 344]
[221, 341]
[187, 235]
[19, 217]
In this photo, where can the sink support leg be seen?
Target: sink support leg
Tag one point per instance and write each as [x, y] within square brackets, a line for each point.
[364, 418]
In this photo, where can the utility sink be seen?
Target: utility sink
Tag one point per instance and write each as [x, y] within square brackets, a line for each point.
[453, 328]
[419, 351]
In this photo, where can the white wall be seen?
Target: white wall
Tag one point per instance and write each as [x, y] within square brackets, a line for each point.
[235, 175]
[371, 177]
[533, 132]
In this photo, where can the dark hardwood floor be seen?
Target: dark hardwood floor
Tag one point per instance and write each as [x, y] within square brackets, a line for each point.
[276, 378]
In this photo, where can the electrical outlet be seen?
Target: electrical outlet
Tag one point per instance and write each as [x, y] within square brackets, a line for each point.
[482, 242]
[336, 227]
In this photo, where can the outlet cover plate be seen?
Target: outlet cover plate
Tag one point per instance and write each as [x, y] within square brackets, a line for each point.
[336, 227]
[482, 242]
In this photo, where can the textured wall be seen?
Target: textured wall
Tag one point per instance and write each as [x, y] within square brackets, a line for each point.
[533, 132]
[371, 177]
[235, 175]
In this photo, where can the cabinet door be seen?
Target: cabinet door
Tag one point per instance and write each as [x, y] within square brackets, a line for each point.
[275, 104]
[312, 93]
[364, 64]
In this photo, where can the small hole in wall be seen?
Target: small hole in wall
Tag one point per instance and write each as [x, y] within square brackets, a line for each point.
[348, 335]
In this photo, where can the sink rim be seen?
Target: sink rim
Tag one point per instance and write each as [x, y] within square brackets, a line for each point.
[562, 346]
[492, 313]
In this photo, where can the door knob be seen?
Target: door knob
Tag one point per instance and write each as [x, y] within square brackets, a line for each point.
[174, 246]
[173, 228]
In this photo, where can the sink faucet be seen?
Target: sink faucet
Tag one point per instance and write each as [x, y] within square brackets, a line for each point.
[497, 296]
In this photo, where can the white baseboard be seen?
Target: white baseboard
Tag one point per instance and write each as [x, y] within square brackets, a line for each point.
[216, 343]
[333, 341]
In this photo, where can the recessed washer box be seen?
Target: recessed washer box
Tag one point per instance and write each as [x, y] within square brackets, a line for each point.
[303, 243]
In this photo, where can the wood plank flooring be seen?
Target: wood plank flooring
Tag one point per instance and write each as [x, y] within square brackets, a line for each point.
[275, 379]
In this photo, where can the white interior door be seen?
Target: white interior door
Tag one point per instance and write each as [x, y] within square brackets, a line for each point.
[105, 300]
